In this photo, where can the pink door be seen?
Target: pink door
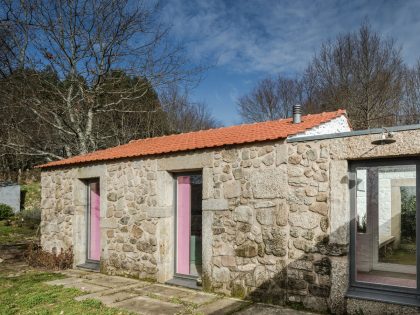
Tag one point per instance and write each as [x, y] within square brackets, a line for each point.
[94, 232]
[183, 225]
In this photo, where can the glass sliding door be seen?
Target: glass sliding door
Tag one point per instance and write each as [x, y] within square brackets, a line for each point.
[93, 220]
[385, 229]
[189, 225]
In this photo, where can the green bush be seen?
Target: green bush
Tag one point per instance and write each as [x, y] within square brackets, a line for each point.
[408, 215]
[5, 211]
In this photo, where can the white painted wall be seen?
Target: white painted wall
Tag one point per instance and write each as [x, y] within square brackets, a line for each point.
[10, 195]
[336, 125]
[361, 193]
[385, 177]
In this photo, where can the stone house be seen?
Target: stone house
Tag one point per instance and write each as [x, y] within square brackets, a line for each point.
[269, 211]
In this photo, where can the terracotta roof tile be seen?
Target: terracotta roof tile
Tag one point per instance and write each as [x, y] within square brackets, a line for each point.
[257, 132]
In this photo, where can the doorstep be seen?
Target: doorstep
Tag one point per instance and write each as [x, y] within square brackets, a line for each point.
[90, 266]
[184, 282]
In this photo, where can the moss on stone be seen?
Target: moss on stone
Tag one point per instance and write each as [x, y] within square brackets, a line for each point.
[238, 291]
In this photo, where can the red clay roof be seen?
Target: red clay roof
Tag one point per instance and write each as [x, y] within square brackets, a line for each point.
[270, 130]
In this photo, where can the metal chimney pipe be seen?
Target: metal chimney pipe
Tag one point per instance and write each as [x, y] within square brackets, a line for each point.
[297, 113]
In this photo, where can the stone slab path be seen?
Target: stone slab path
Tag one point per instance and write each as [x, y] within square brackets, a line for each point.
[151, 298]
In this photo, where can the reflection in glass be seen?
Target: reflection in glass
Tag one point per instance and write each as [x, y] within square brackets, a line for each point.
[386, 225]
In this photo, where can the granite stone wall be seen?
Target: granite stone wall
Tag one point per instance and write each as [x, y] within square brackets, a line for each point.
[131, 235]
[271, 242]
[275, 217]
[57, 210]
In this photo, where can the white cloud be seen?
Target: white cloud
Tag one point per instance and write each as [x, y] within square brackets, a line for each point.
[281, 36]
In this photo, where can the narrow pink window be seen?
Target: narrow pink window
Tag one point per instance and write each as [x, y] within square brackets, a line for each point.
[94, 232]
[183, 225]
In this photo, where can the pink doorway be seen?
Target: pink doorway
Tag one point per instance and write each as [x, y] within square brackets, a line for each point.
[183, 225]
[189, 225]
[94, 232]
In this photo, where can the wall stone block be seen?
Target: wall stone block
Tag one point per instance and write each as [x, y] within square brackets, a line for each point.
[270, 183]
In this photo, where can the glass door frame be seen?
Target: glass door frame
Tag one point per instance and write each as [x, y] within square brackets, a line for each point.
[176, 175]
[400, 295]
[88, 216]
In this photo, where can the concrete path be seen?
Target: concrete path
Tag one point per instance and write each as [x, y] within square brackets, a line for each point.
[151, 298]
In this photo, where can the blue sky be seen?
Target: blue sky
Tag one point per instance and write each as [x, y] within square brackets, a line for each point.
[245, 41]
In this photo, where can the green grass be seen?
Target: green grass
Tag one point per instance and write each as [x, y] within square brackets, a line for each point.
[32, 195]
[15, 234]
[400, 256]
[28, 294]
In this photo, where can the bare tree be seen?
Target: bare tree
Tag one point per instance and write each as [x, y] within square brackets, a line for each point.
[6, 51]
[66, 98]
[270, 99]
[184, 115]
[409, 110]
[14, 37]
[361, 72]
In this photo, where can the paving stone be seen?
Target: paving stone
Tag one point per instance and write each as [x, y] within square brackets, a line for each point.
[114, 282]
[164, 292]
[148, 306]
[85, 286]
[96, 295]
[99, 294]
[93, 275]
[262, 309]
[222, 306]
[120, 296]
[199, 298]
[65, 281]
[74, 273]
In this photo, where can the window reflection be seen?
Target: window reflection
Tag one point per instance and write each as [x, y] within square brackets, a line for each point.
[386, 225]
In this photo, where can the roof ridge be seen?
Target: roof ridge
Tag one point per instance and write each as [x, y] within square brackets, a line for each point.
[232, 126]
[210, 129]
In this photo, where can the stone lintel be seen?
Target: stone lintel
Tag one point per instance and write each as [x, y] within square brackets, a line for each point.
[215, 204]
[185, 161]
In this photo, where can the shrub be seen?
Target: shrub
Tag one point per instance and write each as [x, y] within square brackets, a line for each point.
[5, 211]
[408, 215]
[35, 256]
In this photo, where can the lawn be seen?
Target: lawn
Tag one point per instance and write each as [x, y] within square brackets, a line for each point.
[28, 294]
[16, 234]
[32, 196]
[400, 256]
